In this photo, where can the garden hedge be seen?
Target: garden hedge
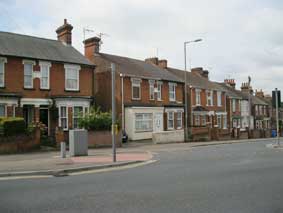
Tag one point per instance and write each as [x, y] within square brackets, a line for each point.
[12, 126]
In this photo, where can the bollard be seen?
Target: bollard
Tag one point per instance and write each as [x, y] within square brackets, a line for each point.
[63, 149]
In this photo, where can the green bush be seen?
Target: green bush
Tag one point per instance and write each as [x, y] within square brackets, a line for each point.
[96, 120]
[12, 126]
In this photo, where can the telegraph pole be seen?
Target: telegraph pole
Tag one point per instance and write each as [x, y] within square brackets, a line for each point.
[113, 112]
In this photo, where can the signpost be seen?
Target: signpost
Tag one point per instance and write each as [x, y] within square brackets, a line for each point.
[276, 102]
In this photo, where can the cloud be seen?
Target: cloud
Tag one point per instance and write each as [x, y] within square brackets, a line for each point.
[240, 37]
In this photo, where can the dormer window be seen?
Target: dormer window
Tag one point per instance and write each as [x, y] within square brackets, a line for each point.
[72, 73]
[136, 88]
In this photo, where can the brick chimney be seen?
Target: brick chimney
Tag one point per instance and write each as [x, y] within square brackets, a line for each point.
[246, 88]
[259, 93]
[162, 64]
[64, 33]
[153, 60]
[230, 82]
[92, 46]
[200, 72]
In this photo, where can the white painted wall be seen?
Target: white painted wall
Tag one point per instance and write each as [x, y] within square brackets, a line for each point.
[130, 121]
[168, 136]
[245, 115]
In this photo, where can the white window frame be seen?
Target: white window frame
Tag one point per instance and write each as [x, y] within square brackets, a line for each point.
[219, 124]
[168, 119]
[33, 64]
[67, 121]
[224, 121]
[198, 97]
[151, 89]
[144, 119]
[136, 82]
[43, 64]
[172, 91]
[179, 119]
[77, 68]
[3, 61]
[209, 97]
[219, 98]
[197, 120]
[233, 105]
[203, 120]
[159, 91]
[5, 109]
[76, 117]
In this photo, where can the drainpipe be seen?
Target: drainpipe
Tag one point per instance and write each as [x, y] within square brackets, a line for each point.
[122, 93]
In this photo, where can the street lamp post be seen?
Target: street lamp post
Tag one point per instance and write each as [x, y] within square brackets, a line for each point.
[185, 88]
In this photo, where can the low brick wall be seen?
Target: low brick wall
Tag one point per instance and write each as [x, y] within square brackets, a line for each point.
[98, 139]
[17, 144]
[224, 134]
[201, 134]
[244, 135]
[168, 136]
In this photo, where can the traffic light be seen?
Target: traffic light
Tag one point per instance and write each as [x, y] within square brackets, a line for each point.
[274, 98]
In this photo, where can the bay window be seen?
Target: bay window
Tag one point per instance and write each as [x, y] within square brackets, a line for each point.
[63, 117]
[72, 73]
[143, 122]
[136, 89]
[172, 92]
[170, 120]
[179, 120]
[2, 71]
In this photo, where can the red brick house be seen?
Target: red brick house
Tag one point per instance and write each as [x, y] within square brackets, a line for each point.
[44, 80]
[207, 107]
[148, 98]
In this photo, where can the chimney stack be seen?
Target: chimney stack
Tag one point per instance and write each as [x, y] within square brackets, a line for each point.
[64, 33]
[230, 82]
[92, 46]
[200, 72]
[153, 60]
[162, 64]
[246, 88]
[259, 93]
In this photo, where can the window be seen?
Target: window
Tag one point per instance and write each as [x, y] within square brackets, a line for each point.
[151, 89]
[197, 120]
[209, 98]
[170, 120]
[203, 120]
[159, 89]
[28, 71]
[172, 92]
[233, 105]
[224, 121]
[260, 110]
[77, 113]
[198, 100]
[136, 89]
[179, 120]
[143, 122]
[235, 123]
[44, 70]
[63, 117]
[256, 109]
[219, 123]
[219, 98]
[2, 71]
[72, 77]
[2, 110]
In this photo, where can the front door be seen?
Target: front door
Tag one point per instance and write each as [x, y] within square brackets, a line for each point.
[43, 118]
[158, 122]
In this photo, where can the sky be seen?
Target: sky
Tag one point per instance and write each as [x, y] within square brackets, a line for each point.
[240, 38]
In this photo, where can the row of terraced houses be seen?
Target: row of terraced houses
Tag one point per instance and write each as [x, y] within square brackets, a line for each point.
[49, 81]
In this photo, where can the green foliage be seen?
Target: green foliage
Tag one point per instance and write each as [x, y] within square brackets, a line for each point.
[12, 126]
[96, 120]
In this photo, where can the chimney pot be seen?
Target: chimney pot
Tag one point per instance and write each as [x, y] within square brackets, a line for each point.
[153, 60]
[162, 64]
[92, 46]
[64, 33]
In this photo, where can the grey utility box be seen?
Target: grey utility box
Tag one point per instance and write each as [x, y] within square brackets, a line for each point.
[78, 142]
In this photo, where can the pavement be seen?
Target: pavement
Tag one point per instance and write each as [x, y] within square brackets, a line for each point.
[50, 163]
[224, 178]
